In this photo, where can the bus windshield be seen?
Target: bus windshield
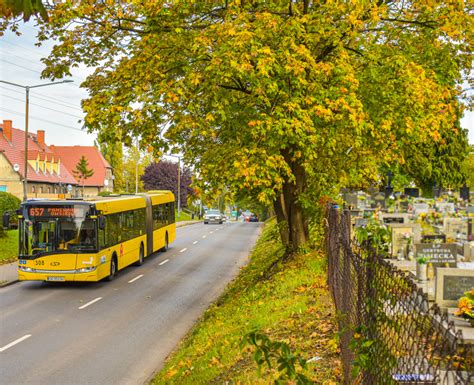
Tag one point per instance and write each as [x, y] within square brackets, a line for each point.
[47, 235]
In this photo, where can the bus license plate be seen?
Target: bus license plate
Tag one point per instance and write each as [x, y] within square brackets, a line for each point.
[61, 279]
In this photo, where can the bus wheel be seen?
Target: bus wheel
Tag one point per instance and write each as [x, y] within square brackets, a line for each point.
[165, 247]
[113, 268]
[141, 256]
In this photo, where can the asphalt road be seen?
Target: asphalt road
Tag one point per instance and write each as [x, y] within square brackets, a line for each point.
[118, 332]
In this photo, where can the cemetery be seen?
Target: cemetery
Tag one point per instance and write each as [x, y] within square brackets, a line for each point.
[410, 262]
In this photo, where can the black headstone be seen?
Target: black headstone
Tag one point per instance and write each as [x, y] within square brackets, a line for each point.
[412, 192]
[464, 193]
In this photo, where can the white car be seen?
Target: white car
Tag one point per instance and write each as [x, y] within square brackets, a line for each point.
[213, 216]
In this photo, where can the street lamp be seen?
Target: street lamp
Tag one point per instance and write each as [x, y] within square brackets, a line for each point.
[27, 89]
[179, 182]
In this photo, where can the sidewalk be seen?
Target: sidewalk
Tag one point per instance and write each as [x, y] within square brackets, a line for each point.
[9, 271]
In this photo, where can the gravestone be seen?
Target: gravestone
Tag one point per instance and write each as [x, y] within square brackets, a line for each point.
[419, 208]
[468, 251]
[404, 235]
[456, 228]
[433, 238]
[451, 284]
[404, 205]
[395, 218]
[379, 200]
[439, 254]
[412, 192]
[464, 193]
[350, 199]
[445, 207]
[361, 222]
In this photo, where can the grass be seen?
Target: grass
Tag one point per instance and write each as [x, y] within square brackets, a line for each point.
[9, 247]
[184, 216]
[287, 301]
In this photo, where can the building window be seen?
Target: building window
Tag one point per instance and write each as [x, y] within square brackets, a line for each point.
[3, 188]
[41, 190]
[49, 190]
[33, 189]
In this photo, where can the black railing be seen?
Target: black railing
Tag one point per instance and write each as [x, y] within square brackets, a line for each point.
[389, 332]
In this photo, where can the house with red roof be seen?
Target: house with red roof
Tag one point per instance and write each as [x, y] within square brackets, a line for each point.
[49, 172]
[101, 180]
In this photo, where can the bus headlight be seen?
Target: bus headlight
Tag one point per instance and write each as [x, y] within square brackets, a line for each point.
[26, 269]
[87, 269]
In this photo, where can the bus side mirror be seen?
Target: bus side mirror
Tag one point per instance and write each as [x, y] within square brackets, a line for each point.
[6, 220]
[101, 222]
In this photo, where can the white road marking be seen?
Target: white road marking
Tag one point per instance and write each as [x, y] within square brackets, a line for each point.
[162, 263]
[15, 342]
[134, 279]
[183, 250]
[204, 236]
[211, 232]
[90, 303]
[195, 242]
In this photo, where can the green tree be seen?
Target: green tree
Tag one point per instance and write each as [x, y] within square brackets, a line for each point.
[283, 100]
[134, 164]
[113, 153]
[468, 168]
[82, 172]
[11, 9]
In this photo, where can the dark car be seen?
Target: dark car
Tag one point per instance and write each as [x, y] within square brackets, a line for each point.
[248, 216]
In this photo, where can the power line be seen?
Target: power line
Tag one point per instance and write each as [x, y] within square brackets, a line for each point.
[48, 99]
[48, 108]
[18, 65]
[26, 48]
[36, 71]
[43, 120]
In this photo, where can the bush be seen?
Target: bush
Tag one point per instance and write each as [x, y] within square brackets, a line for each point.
[9, 203]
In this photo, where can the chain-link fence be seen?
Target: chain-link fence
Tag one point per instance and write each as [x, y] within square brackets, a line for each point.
[389, 332]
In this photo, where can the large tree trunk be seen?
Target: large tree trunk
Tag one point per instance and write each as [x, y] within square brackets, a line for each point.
[279, 207]
[290, 216]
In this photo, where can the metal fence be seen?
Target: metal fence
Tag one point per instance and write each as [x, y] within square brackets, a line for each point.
[389, 332]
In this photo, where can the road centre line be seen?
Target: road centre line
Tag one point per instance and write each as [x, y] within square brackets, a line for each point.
[195, 242]
[90, 303]
[211, 232]
[162, 263]
[134, 279]
[204, 236]
[15, 342]
[183, 250]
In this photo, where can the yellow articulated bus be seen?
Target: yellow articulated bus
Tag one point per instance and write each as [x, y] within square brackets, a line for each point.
[89, 240]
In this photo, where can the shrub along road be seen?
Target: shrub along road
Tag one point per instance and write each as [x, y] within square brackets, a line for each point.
[288, 302]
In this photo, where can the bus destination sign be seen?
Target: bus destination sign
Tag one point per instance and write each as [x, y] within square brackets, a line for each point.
[56, 211]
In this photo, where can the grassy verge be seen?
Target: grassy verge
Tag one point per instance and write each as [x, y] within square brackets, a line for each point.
[291, 304]
[9, 247]
[184, 216]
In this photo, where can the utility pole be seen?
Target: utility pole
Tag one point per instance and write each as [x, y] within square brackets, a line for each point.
[179, 187]
[179, 182]
[136, 167]
[27, 89]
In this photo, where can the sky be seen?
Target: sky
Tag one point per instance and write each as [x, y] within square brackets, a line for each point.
[56, 109]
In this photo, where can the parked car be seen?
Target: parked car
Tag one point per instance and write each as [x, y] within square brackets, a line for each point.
[248, 216]
[213, 216]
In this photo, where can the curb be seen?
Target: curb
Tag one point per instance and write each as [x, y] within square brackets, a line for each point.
[8, 283]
